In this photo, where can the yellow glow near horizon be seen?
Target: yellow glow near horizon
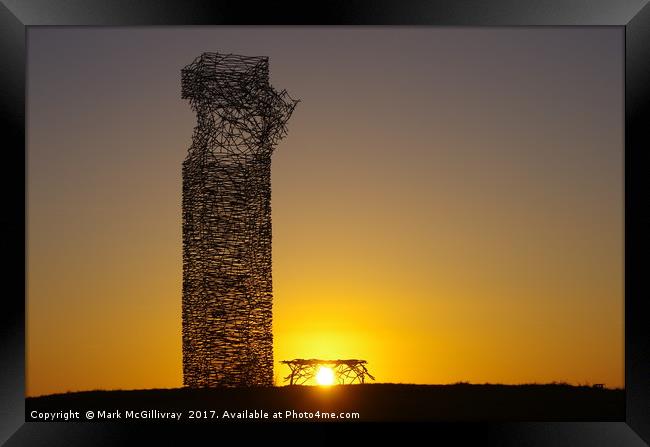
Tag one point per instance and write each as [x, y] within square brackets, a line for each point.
[325, 376]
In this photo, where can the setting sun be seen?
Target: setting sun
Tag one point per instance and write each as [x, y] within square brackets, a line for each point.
[325, 376]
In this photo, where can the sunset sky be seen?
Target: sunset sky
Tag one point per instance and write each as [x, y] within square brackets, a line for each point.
[447, 204]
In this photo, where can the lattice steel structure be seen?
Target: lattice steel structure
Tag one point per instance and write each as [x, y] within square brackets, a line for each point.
[227, 290]
[345, 371]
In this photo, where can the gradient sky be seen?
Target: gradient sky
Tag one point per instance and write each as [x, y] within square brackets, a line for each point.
[448, 203]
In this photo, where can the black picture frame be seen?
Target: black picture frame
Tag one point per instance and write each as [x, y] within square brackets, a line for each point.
[633, 15]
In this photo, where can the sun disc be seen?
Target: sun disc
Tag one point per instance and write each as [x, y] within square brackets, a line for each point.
[325, 376]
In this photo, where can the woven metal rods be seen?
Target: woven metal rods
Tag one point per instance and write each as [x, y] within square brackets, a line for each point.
[227, 284]
[346, 371]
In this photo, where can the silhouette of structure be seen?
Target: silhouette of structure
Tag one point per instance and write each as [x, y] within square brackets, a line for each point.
[345, 371]
[227, 290]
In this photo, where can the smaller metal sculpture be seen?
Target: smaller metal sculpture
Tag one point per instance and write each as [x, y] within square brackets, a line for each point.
[346, 371]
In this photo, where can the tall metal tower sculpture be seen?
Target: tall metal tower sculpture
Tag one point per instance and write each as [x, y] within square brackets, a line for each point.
[227, 291]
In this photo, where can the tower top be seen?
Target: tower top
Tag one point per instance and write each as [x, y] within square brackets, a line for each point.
[233, 92]
[219, 63]
[225, 80]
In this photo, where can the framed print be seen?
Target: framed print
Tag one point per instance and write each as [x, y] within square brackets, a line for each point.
[219, 215]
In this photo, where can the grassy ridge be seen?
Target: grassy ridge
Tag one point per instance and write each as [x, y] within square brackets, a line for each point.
[378, 402]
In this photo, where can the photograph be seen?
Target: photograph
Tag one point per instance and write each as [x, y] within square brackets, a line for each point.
[381, 223]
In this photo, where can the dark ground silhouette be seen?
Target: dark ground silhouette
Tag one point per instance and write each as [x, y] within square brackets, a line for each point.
[375, 402]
